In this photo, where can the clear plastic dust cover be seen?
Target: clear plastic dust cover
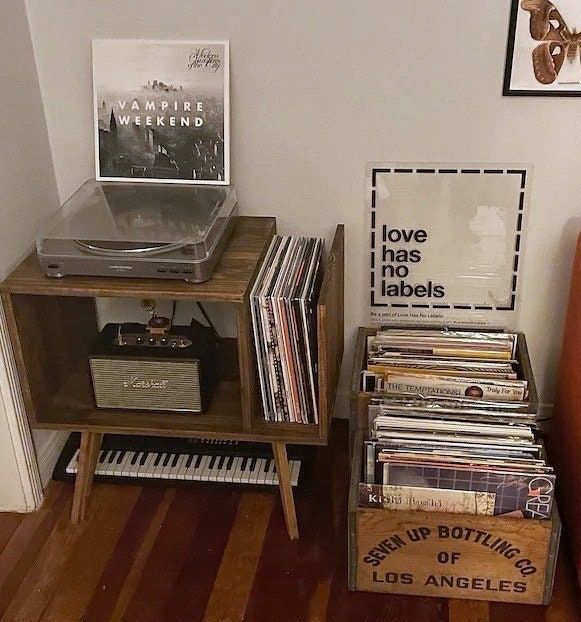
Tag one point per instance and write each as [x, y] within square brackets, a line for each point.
[109, 217]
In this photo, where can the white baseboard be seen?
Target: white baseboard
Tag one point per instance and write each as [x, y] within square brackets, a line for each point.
[48, 454]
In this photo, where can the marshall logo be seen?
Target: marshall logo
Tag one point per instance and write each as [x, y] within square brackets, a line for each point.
[135, 383]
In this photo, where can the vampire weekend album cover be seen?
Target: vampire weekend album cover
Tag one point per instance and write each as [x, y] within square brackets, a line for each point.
[161, 111]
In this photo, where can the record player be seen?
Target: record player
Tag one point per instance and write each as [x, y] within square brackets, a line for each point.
[148, 230]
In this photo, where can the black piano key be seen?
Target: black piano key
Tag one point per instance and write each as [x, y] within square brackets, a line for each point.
[133, 460]
[213, 462]
[244, 464]
[120, 457]
[189, 460]
[175, 460]
[157, 460]
[229, 462]
[197, 460]
[253, 464]
[218, 463]
[143, 458]
[166, 460]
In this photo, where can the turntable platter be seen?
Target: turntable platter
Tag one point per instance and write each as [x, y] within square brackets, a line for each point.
[126, 249]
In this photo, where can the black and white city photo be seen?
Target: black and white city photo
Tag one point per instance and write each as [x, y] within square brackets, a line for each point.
[161, 111]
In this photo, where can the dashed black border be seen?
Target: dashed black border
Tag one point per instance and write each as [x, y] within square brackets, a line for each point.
[451, 171]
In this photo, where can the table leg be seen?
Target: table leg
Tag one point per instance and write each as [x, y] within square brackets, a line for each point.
[286, 490]
[88, 455]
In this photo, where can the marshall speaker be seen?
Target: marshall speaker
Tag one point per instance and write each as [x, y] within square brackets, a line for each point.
[138, 367]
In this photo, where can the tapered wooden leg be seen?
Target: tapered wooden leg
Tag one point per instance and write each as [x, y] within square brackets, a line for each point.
[88, 455]
[286, 490]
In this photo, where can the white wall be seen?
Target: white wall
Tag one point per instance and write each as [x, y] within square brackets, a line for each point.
[27, 194]
[321, 88]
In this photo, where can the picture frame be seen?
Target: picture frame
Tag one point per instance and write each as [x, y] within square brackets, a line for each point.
[543, 55]
[161, 111]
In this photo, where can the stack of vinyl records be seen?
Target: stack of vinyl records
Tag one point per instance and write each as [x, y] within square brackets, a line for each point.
[283, 302]
[444, 364]
[452, 433]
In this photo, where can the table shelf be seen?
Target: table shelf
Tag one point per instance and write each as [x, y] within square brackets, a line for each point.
[53, 326]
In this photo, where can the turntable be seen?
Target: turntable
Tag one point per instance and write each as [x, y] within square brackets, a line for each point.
[126, 229]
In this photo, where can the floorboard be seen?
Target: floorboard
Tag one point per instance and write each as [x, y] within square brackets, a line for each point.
[215, 554]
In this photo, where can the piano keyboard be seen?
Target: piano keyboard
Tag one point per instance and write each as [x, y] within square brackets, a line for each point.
[210, 467]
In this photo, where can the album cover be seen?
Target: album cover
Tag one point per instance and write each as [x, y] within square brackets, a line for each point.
[427, 499]
[161, 111]
[531, 494]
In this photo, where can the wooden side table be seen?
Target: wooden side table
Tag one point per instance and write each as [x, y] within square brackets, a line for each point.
[53, 324]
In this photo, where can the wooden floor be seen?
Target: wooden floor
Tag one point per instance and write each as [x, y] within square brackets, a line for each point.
[149, 554]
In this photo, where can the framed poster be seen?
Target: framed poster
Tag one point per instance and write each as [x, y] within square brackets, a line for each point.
[161, 111]
[543, 51]
[446, 242]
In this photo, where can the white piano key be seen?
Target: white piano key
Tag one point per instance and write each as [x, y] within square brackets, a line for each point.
[271, 477]
[119, 463]
[132, 467]
[195, 471]
[215, 469]
[158, 468]
[167, 470]
[185, 468]
[225, 469]
[235, 477]
[126, 464]
[222, 469]
[143, 456]
[139, 468]
[206, 471]
[253, 477]
[245, 471]
[72, 465]
[181, 466]
[112, 463]
[103, 461]
[228, 471]
[295, 466]
[261, 471]
[148, 466]
[99, 463]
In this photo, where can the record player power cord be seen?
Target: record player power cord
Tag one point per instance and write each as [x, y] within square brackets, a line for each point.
[207, 318]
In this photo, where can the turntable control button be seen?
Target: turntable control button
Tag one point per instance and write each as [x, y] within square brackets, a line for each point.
[152, 341]
[139, 340]
[174, 344]
[163, 341]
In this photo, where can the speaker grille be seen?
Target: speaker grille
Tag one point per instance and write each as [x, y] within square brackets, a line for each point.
[151, 385]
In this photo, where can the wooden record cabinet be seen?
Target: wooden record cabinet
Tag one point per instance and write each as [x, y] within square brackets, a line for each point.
[53, 324]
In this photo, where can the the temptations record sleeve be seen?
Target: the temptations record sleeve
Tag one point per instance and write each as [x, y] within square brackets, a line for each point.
[161, 111]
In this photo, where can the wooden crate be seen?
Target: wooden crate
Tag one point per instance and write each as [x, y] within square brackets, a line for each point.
[449, 555]
[427, 553]
[360, 399]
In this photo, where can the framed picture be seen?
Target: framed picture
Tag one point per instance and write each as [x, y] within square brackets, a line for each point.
[543, 51]
[161, 111]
